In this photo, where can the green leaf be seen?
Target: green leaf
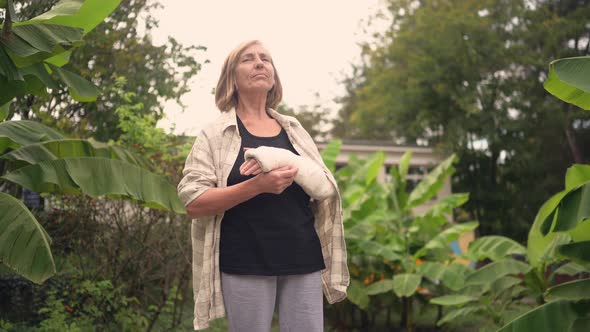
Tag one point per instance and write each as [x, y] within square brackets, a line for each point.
[577, 175]
[452, 300]
[4, 109]
[571, 269]
[577, 251]
[10, 89]
[574, 290]
[454, 276]
[373, 167]
[447, 204]
[549, 255]
[60, 59]
[32, 44]
[330, 153]
[8, 68]
[537, 242]
[24, 244]
[381, 286]
[79, 88]
[494, 247]
[431, 270]
[444, 239]
[357, 294]
[71, 148]
[404, 165]
[569, 80]
[573, 209]
[99, 176]
[454, 314]
[496, 270]
[46, 37]
[373, 248]
[431, 183]
[406, 284]
[504, 283]
[40, 72]
[581, 324]
[550, 317]
[84, 14]
[14, 134]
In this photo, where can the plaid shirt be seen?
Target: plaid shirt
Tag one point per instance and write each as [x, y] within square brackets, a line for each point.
[208, 165]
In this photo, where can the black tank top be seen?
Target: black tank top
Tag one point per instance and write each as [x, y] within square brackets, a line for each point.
[269, 234]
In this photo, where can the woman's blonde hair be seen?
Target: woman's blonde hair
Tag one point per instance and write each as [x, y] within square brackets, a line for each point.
[226, 94]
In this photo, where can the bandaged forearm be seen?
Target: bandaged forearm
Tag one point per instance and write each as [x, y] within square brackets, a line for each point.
[310, 176]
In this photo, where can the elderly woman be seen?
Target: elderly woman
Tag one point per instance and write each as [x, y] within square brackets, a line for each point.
[267, 221]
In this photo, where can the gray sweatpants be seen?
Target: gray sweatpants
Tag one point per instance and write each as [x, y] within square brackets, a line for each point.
[250, 302]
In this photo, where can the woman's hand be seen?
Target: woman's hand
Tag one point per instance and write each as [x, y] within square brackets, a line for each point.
[277, 180]
[250, 167]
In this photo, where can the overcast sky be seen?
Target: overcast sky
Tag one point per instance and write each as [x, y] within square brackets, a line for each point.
[313, 44]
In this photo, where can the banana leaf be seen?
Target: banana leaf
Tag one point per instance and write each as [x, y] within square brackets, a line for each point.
[24, 244]
[97, 177]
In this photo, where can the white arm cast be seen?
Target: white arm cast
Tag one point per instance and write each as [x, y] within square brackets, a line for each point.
[310, 176]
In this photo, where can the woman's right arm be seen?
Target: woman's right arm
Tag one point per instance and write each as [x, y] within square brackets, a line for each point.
[216, 200]
[198, 187]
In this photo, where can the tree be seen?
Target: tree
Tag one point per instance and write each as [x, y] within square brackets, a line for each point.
[473, 89]
[121, 46]
[313, 120]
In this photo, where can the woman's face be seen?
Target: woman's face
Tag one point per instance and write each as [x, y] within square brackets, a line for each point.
[254, 72]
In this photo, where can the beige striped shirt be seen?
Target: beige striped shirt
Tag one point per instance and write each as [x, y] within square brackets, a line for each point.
[208, 165]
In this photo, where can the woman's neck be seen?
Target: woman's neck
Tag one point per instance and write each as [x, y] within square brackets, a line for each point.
[252, 107]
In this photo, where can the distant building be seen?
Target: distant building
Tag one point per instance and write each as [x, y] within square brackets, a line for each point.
[423, 161]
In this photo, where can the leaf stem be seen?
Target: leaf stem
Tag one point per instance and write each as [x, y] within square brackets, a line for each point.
[7, 26]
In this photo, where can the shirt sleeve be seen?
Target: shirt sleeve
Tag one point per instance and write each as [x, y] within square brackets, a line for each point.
[199, 171]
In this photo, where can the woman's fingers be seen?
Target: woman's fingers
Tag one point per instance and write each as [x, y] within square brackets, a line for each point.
[287, 171]
[250, 167]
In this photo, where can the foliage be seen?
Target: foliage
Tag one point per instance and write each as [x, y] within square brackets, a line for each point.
[143, 253]
[410, 250]
[568, 80]
[504, 285]
[121, 46]
[139, 132]
[90, 305]
[39, 158]
[474, 90]
[312, 118]
[32, 50]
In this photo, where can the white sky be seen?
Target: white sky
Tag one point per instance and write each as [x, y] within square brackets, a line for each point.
[313, 44]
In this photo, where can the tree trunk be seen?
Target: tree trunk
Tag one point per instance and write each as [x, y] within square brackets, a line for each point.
[408, 319]
[364, 321]
[388, 320]
[571, 136]
[439, 315]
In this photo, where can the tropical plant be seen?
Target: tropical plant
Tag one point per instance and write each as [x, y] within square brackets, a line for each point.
[558, 243]
[41, 159]
[383, 228]
[568, 80]
[562, 226]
